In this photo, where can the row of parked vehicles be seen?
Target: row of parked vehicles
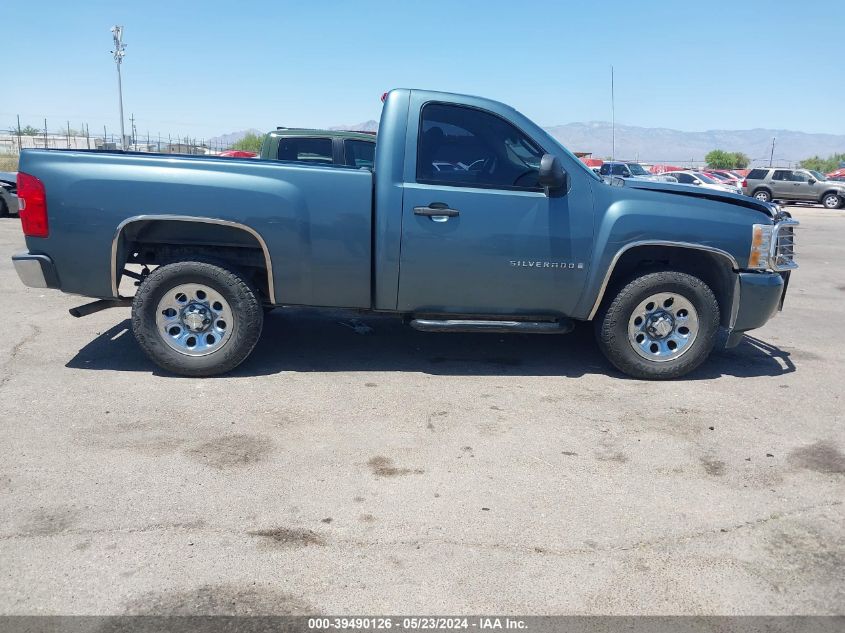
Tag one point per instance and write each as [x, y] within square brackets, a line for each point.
[764, 184]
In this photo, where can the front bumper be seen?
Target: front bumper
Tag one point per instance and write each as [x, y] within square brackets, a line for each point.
[761, 296]
[35, 271]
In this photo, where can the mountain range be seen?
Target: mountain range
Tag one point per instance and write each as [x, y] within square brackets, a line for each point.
[665, 145]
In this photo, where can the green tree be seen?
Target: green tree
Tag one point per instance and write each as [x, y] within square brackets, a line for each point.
[249, 143]
[31, 131]
[741, 161]
[824, 165]
[719, 159]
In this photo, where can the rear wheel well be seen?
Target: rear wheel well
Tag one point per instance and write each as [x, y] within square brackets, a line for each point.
[713, 269]
[154, 242]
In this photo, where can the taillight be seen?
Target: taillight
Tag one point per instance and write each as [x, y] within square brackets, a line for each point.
[744, 183]
[33, 206]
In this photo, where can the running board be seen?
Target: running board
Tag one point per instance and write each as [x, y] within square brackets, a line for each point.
[562, 326]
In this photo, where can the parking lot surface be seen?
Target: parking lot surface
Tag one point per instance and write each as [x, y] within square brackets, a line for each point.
[353, 465]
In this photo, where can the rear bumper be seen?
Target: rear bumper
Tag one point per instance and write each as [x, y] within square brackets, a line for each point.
[761, 295]
[35, 271]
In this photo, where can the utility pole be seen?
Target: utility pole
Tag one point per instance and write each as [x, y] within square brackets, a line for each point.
[772, 155]
[132, 130]
[612, 118]
[20, 146]
[119, 52]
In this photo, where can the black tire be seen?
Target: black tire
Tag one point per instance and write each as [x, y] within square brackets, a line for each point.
[763, 195]
[243, 301]
[613, 322]
[4, 209]
[831, 201]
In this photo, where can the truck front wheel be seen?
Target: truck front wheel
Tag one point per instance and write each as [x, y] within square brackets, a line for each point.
[196, 318]
[659, 326]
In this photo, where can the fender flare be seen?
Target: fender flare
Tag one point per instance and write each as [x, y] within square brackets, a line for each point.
[688, 245]
[115, 276]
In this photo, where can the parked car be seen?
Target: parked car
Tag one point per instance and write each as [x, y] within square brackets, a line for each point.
[698, 179]
[793, 185]
[237, 153]
[320, 147]
[725, 177]
[531, 241]
[8, 194]
[631, 170]
[838, 175]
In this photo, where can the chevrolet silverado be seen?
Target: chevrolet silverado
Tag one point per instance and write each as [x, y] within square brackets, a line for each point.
[473, 219]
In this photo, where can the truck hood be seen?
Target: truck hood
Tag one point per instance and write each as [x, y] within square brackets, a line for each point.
[769, 209]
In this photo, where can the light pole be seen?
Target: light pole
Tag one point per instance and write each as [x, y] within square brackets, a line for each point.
[118, 52]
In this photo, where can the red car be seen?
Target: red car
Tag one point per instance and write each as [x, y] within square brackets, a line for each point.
[725, 176]
[237, 153]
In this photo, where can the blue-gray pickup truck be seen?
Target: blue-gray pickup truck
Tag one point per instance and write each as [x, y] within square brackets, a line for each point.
[473, 219]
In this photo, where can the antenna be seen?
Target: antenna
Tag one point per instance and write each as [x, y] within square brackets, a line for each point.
[119, 52]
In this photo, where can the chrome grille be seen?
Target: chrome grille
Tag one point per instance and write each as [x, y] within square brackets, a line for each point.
[783, 246]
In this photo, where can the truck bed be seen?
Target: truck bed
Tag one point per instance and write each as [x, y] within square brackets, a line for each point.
[314, 223]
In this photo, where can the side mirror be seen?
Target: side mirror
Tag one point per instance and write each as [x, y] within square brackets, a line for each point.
[696, 182]
[812, 181]
[626, 173]
[551, 175]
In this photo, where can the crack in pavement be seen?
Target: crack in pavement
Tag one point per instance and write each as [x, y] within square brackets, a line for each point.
[200, 524]
[188, 525]
[16, 348]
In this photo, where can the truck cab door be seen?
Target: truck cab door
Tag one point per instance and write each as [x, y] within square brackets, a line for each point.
[479, 236]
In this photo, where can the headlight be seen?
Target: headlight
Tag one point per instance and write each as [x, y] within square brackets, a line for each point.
[761, 246]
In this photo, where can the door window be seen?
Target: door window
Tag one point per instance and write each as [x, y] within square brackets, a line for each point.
[306, 150]
[465, 147]
[360, 153]
[782, 174]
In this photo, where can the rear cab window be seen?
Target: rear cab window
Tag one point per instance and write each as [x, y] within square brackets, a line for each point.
[306, 149]
[359, 153]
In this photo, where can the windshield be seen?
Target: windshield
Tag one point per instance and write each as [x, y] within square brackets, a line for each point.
[637, 170]
[707, 179]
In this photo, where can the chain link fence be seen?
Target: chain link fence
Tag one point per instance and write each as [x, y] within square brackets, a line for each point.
[13, 140]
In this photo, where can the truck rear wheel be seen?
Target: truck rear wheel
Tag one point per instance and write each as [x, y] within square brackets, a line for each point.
[659, 326]
[196, 318]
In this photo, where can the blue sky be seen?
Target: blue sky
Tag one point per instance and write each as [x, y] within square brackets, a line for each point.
[205, 68]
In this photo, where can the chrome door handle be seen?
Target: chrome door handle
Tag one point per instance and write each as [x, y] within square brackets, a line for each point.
[437, 209]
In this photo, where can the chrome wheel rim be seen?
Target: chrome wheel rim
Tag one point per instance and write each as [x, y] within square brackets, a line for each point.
[831, 202]
[663, 327]
[194, 319]
[763, 197]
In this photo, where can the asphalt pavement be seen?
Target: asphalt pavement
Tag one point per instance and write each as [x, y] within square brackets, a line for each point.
[355, 466]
